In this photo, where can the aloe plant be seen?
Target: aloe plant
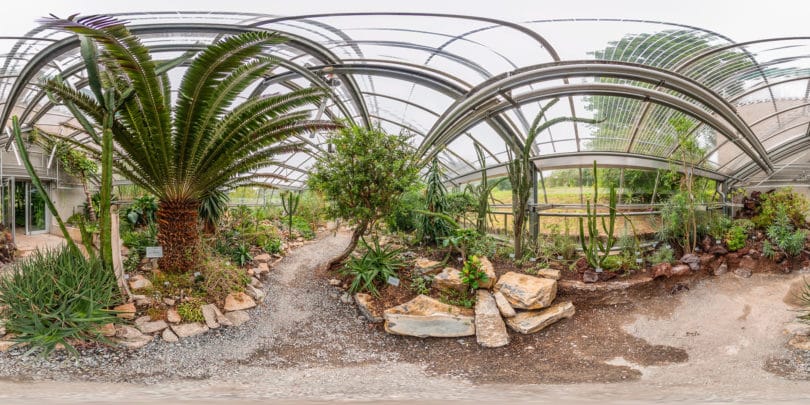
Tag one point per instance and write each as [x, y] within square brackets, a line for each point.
[596, 250]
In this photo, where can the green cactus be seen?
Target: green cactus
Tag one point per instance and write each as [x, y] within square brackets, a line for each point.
[289, 202]
[596, 250]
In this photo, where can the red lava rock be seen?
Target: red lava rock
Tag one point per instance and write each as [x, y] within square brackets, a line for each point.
[747, 262]
[680, 270]
[661, 270]
[692, 260]
[590, 276]
[718, 250]
[581, 265]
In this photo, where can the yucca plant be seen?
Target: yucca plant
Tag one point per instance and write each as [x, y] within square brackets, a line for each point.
[206, 142]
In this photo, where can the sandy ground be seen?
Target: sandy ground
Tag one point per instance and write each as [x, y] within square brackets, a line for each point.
[305, 346]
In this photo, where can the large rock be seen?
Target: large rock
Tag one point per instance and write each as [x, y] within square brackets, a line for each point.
[449, 279]
[169, 336]
[263, 268]
[237, 318]
[125, 311]
[173, 316]
[128, 337]
[426, 266]
[185, 330]
[139, 282]
[661, 270]
[549, 273]
[527, 292]
[489, 270]
[152, 327]
[262, 258]
[681, 270]
[490, 331]
[424, 316]
[721, 269]
[692, 260]
[238, 301]
[254, 292]
[365, 303]
[503, 305]
[534, 321]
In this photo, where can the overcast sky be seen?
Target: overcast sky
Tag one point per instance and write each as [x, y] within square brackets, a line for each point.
[741, 19]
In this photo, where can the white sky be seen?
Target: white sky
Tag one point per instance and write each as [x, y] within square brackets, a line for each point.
[741, 19]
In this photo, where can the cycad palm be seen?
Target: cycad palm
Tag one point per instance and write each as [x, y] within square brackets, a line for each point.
[202, 145]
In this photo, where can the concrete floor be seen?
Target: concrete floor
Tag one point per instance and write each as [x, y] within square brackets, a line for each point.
[29, 243]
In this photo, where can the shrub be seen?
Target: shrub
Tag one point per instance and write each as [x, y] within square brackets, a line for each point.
[376, 265]
[272, 246]
[220, 279]
[303, 228]
[55, 297]
[735, 237]
[793, 204]
[420, 284]
[191, 310]
[241, 255]
[785, 236]
[472, 274]
[459, 203]
[403, 216]
[663, 254]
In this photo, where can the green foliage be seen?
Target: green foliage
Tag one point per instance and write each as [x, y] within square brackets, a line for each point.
[435, 227]
[737, 234]
[768, 250]
[241, 255]
[472, 274]
[289, 202]
[793, 204]
[272, 246]
[220, 279]
[373, 267]
[311, 208]
[482, 192]
[458, 298]
[784, 234]
[213, 206]
[191, 310]
[459, 203]
[56, 296]
[596, 250]
[142, 211]
[420, 284]
[718, 225]
[364, 177]
[663, 254]
[673, 215]
[302, 226]
[403, 216]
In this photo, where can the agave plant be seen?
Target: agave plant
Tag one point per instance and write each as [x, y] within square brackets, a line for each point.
[184, 153]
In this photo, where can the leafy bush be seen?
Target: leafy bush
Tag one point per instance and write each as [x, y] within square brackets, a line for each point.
[794, 205]
[241, 256]
[459, 203]
[785, 236]
[142, 211]
[56, 296]
[191, 310]
[376, 265]
[663, 254]
[735, 237]
[302, 226]
[311, 208]
[472, 274]
[717, 225]
[220, 279]
[272, 246]
[403, 216]
[420, 284]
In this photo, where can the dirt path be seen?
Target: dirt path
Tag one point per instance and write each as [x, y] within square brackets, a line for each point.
[710, 344]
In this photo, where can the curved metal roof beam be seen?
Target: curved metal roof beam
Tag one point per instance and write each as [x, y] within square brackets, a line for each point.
[631, 71]
[611, 90]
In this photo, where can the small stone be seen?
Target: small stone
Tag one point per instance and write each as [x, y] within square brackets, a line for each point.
[365, 303]
[170, 302]
[527, 292]
[254, 292]
[154, 326]
[141, 300]
[742, 272]
[169, 336]
[125, 311]
[549, 273]
[426, 266]
[173, 316]
[681, 270]
[263, 268]
[142, 319]
[346, 298]
[589, 276]
[692, 260]
[237, 318]
[721, 269]
[747, 262]
[262, 258]
[449, 279]
[334, 282]
[209, 312]
[256, 283]
[127, 332]
[490, 331]
[7, 344]
[503, 305]
[237, 301]
[535, 321]
[107, 330]
[185, 330]
[139, 282]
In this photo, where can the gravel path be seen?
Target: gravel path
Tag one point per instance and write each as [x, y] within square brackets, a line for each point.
[304, 344]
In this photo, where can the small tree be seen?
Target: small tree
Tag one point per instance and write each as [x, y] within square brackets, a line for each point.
[435, 227]
[364, 177]
[687, 156]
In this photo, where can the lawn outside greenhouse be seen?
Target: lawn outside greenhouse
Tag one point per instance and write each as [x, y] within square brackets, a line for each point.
[550, 203]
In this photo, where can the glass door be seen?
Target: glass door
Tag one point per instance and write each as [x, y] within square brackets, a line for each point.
[20, 205]
[37, 212]
[24, 208]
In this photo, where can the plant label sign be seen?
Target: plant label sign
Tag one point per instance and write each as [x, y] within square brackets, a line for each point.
[154, 252]
[393, 281]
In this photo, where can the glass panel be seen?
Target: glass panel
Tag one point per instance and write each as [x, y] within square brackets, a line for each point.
[19, 206]
[7, 208]
[36, 210]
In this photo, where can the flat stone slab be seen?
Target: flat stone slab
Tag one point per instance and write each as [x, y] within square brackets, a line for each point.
[503, 305]
[549, 273]
[425, 317]
[237, 318]
[185, 330]
[535, 321]
[489, 269]
[573, 286]
[237, 301]
[152, 327]
[449, 279]
[426, 266]
[262, 258]
[490, 331]
[527, 292]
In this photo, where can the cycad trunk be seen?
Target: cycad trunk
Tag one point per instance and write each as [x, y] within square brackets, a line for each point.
[178, 235]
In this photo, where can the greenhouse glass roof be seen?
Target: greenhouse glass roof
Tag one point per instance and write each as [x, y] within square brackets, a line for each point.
[451, 81]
